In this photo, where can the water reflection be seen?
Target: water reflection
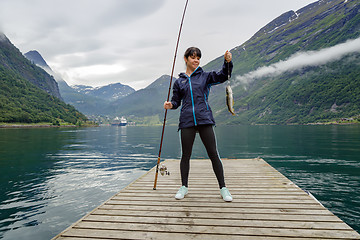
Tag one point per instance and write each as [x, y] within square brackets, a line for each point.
[52, 177]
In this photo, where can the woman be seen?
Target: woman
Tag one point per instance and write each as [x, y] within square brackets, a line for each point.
[192, 91]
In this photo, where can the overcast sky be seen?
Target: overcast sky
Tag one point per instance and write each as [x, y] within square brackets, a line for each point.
[98, 42]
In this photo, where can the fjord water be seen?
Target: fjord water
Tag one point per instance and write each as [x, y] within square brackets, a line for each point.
[52, 177]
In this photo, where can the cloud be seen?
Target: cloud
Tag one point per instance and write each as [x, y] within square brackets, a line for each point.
[302, 59]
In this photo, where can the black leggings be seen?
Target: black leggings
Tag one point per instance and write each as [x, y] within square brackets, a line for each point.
[207, 136]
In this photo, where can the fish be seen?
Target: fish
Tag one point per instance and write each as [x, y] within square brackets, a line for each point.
[230, 100]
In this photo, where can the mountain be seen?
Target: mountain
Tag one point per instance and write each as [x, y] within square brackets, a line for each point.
[13, 60]
[88, 105]
[321, 24]
[314, 93]
[86, 99]
[145, 105]
[286, 73]
[36, 58]
[144, 102]
[113, 99]
[109, 92]
[27, 93]
[317, 87]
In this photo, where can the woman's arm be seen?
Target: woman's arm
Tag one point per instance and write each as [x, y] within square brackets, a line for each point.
[225, 73]
[175, 99]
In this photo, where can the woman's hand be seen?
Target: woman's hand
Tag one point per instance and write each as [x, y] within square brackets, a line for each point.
[168, 105]
[228, 56]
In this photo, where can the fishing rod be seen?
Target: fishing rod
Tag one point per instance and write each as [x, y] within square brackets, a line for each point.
[168, 96]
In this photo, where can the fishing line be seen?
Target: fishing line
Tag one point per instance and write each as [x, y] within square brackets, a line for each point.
[168, 96]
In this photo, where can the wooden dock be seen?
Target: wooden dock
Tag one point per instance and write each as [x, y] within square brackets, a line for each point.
[266, 205]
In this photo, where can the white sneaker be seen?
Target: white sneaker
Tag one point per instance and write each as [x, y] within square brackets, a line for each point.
[181, 193]
[225, 194]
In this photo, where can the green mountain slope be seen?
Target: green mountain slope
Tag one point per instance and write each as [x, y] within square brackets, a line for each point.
[319, 25]
[314, 94]
[89, 105]
[21, 100]
[12, 60]
[311, 94]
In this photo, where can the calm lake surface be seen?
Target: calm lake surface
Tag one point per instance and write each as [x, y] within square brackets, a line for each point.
[50, 178]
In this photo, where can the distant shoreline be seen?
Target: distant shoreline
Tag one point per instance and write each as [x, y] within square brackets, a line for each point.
[34, 126]
[144, 125]
[43, 125]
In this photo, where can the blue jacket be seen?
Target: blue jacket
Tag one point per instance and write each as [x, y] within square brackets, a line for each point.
[193, 93]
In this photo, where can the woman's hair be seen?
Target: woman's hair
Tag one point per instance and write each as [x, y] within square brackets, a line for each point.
[192, 51]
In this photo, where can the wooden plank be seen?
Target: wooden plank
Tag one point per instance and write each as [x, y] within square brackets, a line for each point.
[209, 195]
[213, 199]
[122, 209]
[219, 222]
[214, 229]
[164, 204]
[253, 214]
[237, 192]
[81, 234]
[266, 205]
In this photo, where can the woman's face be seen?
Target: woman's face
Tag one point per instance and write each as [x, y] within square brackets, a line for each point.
[192, 62]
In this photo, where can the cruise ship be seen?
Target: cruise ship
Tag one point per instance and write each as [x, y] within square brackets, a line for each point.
[119, 121]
